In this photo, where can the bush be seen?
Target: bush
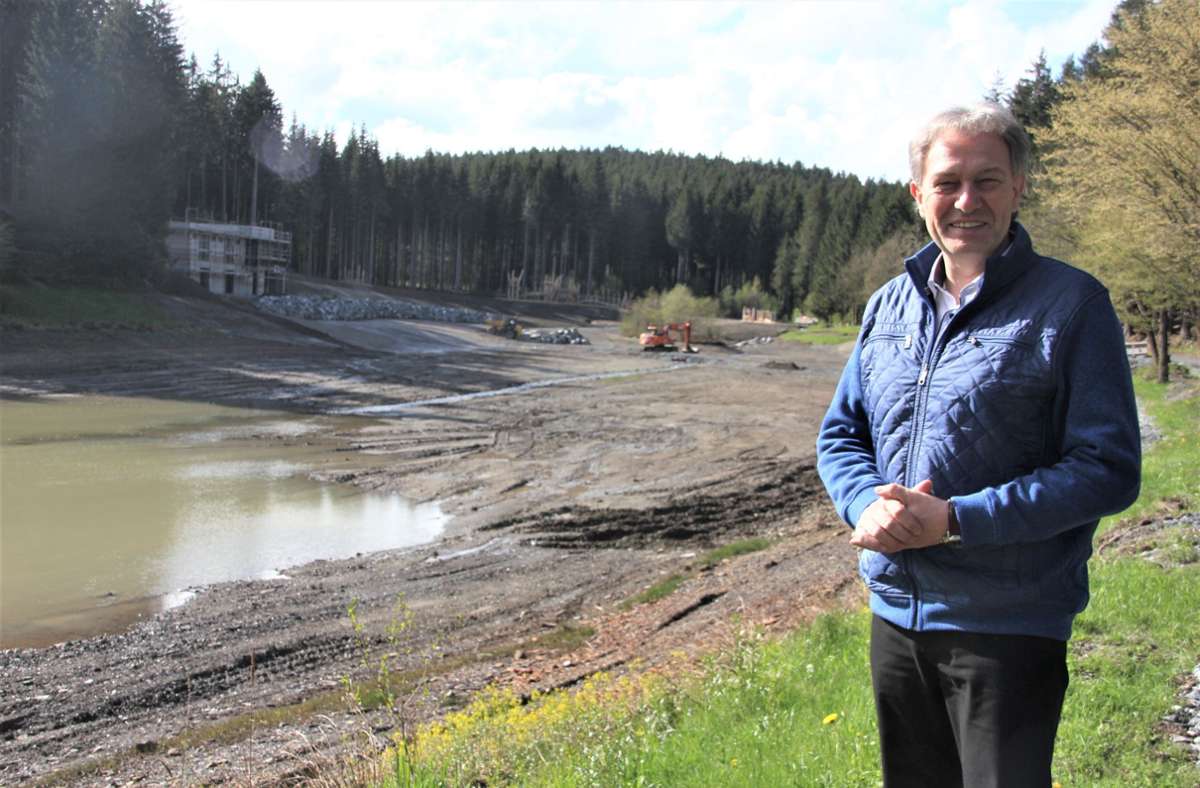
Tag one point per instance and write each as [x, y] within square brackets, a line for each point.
[750, 294]
[677, 305]
[645, 311]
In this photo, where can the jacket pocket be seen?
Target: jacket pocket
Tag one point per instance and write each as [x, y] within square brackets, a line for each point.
[983, 578]
[993, 397]
[881, 574]
[889, 354]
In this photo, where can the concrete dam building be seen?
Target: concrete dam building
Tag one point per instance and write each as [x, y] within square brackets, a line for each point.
[231, 259]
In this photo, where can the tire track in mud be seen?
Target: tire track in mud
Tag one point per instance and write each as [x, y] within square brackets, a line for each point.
[783, 491]
[272, 664]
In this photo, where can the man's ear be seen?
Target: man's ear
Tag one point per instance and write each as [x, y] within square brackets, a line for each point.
[1019, 185]
[915, 191]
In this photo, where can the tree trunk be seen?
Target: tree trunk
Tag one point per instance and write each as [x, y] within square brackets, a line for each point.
[506, 256]
[254, 196]
[346, 255]
[400, 253]
[591, 265]
[458, 260]
[1164, 354]
[329, 243]
[425, 267]
[575, 257]
[525, 245]
[371, 252]
[237, 196]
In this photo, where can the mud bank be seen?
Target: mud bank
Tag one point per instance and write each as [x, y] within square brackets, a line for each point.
[568, 500]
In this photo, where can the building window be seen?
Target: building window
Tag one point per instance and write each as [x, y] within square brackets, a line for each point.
[203, 251]
[229, 284]
[204, 280]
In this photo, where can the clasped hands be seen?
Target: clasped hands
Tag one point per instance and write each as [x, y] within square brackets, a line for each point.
[902, 518]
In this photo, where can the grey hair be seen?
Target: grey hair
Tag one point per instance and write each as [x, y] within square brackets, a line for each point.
[986, 117]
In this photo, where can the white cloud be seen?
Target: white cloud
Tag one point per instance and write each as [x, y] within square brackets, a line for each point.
[833, 84]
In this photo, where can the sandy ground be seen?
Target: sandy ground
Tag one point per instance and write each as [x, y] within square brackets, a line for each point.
[567, 499]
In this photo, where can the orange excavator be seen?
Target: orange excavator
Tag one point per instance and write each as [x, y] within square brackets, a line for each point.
[673, 337]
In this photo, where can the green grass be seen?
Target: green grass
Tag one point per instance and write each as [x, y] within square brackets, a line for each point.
[1170, 465]
[30, 305]
[564, 638]
[669, 585]
[757, 719]
[822, 335]
[662, 588]
[795, 712]
[1138, 636]
[732, 550]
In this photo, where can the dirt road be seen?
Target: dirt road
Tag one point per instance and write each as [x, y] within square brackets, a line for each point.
[568, 500]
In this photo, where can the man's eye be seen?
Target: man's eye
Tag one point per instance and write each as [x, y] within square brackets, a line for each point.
[945, 186]
[989, 183]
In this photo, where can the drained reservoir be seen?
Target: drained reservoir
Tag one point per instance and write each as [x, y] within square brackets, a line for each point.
[112, 509]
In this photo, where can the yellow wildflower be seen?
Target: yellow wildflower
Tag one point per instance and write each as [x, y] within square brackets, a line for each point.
[830, 718]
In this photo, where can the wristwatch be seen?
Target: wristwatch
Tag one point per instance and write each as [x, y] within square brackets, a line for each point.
[952, 536]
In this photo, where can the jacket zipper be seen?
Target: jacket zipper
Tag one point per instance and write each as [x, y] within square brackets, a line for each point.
[927, 366]
[977, 340]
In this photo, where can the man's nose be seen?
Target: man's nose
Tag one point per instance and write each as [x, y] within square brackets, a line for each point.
[968, 198]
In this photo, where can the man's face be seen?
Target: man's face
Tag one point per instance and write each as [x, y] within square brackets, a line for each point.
[967, 195]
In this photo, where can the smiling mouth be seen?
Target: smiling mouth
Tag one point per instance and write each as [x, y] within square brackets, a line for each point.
[966, 225]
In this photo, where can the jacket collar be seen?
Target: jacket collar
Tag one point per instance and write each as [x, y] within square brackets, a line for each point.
[999, 269]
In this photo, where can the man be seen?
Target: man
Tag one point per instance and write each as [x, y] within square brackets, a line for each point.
[984, 423]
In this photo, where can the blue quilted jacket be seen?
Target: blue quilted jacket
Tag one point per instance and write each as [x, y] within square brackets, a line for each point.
[1020, 409]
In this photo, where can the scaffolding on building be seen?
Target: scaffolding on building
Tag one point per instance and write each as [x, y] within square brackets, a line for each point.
[233, 259]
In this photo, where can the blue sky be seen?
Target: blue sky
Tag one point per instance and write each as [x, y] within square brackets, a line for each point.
[834, 84]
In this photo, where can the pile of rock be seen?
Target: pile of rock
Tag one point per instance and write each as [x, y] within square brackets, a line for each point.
[1184, 717]
[332, 308]
[755, 341]
[555, 336]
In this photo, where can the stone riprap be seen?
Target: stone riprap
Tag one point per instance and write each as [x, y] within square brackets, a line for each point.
[322, 308]
[554, 336]
[1184, 717]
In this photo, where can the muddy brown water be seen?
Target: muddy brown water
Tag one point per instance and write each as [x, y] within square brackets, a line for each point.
[112, 509]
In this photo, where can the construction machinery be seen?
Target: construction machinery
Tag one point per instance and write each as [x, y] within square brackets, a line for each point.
[505, 327]
[673, 337]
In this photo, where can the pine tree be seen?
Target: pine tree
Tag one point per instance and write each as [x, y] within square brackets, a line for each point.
[1033, 99]
[257, 122]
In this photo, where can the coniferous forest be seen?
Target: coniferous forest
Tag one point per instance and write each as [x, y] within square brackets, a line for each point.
[108, 129]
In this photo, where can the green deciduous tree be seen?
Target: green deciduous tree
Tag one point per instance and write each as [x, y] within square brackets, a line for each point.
[1123, 175]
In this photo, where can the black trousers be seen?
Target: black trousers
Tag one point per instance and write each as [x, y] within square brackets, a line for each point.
[965, 709]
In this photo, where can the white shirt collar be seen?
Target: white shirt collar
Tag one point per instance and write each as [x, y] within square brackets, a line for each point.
[942, 298]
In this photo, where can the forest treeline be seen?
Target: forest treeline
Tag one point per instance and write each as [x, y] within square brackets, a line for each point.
[108, 130]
